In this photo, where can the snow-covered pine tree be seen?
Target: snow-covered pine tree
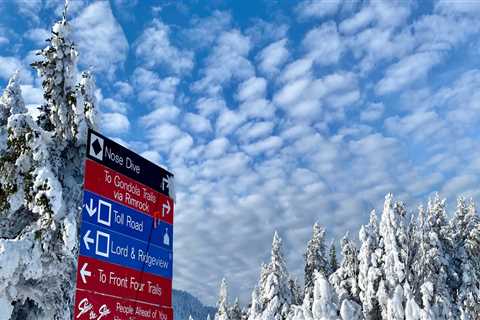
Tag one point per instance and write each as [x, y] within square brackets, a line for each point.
[11, 102]
[223, 309]
[276, 295]
[315, 259]
[345, 279]
[432, 263]
[40, 189]
[325, 304]
[255, 305]
[469, 292]
[460, 227]
[332, 259]
[235, 312]
[296, 291]
[369, 269]
[394, 244]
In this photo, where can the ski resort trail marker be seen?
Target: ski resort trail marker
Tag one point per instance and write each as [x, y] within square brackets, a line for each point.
[126, 237]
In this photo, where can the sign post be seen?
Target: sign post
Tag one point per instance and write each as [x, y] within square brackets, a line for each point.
[126, 236]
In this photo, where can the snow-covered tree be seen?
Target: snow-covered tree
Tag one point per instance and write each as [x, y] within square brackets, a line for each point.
[432, 262]
[324, 299]
[255, 305]
[235, 312]
[469, 292]
[276, 295]
[315, 258]
[394, 244]
[404, 271]
[369, 274]
[41, 179]
[345, 279]
[11, 102]
[223, 309]
[332, 259]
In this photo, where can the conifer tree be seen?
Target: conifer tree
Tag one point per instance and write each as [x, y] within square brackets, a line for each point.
[393, 235]
[40, 187]
[369, 271]
[325, 305]
[345, 279]
[235, 311]
[255, 307]
[223, 309]
[332, 255]
[277, 295]
[315, 259]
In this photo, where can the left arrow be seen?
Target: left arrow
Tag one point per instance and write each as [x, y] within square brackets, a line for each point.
[87, 239]
[85, 273]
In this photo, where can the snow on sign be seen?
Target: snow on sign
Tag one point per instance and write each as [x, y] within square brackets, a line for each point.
[126, 236]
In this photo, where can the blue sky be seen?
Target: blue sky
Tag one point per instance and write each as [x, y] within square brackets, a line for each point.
[274, 114]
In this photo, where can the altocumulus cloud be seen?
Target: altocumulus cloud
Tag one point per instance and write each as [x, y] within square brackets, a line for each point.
[273, 121]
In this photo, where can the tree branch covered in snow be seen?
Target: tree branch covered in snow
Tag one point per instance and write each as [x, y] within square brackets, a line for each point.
[41, 177]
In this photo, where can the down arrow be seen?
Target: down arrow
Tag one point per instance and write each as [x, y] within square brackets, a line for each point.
[90, 208]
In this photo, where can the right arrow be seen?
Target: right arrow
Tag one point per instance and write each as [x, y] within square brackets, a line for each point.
[87, 239]
[85, 273]
[166, 205]
[90, 208]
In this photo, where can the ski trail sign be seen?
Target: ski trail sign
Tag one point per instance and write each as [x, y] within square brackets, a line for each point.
[125, 261]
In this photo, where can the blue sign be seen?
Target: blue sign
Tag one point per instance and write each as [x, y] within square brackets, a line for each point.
[107, 245]
[108, 214]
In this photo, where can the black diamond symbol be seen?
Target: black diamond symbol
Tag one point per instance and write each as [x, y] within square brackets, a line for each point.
[96, 147]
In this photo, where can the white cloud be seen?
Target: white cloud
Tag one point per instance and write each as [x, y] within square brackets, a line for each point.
[407, 71]
[216, 148]
[297, 69]
[318, 8]
[153, 90]
[100, 38]
[264, 146]
[419, 126]
[272, 57]
[461, 7]
[159, 115]
[155, 49]
[255, 130]
[32, 95]
[115, 105]
[208, 106]
[8, 66]
[228, 121]
[324, 44]
[197, 123]
[373, 112]
[228, 60]
[291, 92]
[259, 108]
[115, 123]
[163, 135]
[38, 36]
[253, 88]
[204, 31]
[357, 22]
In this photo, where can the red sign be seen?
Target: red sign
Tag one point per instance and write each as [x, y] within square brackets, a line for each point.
[90, 305]
[119, 281]
[110, 184]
